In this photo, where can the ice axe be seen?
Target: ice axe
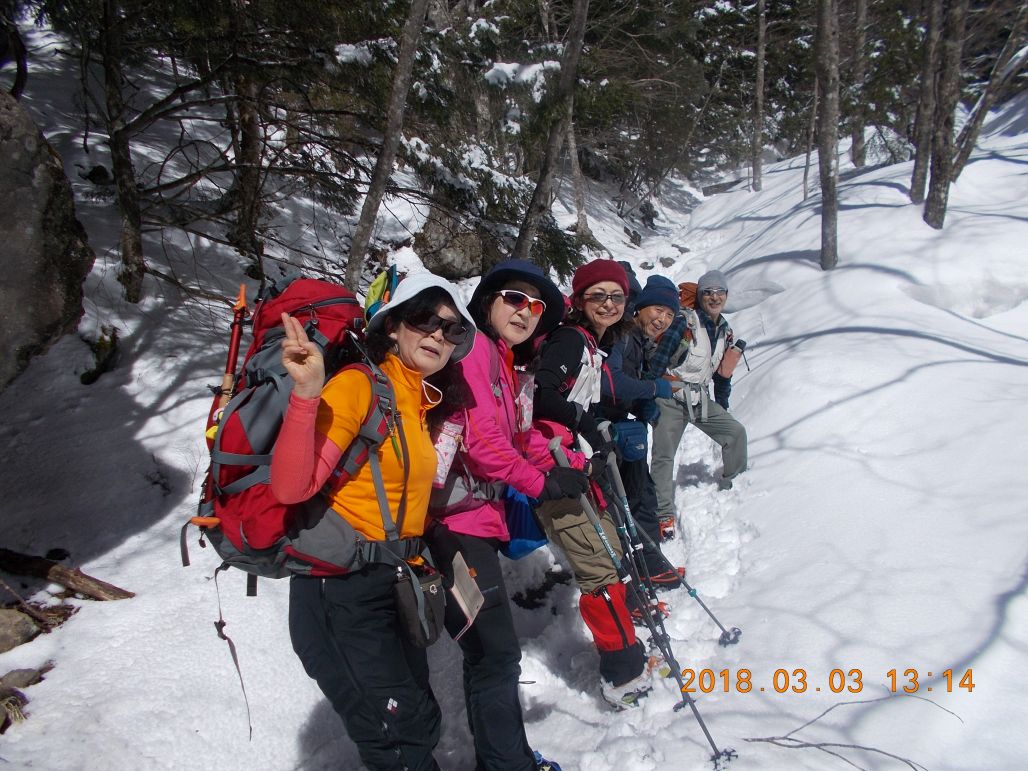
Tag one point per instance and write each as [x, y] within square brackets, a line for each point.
[228, 380]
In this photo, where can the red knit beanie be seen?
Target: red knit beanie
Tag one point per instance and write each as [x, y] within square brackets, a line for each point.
[596, 271]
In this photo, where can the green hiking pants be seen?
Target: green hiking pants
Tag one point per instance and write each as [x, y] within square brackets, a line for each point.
[667, 434]
[568, 527]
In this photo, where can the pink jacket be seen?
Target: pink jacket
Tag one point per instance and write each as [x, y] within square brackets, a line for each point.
[496, 447]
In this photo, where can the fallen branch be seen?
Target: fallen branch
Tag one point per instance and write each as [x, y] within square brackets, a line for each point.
[796, 744]
[789, 742]
[27, 609]
[72, 578]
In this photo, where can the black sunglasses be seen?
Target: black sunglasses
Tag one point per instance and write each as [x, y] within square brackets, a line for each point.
[454, 330]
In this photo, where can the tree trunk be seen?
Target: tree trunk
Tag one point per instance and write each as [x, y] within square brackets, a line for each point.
[858, 151]
[390, 141]
[248, 178]
[558, 129]
[811, 131]
[1002, 73]
[757, 148]
[17, 53]
[73, 578]
[827, 52]
[248, 144]
[133, 264]
[582, 221]
[947, 96]
[926, 101]
[545, 19]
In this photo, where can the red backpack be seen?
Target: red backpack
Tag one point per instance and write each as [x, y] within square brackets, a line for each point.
[238, 514]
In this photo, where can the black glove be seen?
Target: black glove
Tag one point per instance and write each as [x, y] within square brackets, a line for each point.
[606, 448]
[597, 465]
[563, 482]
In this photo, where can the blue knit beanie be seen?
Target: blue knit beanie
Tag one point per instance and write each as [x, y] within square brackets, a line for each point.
[659, 290]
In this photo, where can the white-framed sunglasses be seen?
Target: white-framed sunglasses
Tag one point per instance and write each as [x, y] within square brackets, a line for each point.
[519, 301]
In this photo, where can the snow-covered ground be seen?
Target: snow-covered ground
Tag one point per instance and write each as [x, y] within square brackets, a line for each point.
[881, 525]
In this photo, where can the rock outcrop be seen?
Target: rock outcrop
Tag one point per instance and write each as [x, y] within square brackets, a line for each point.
[46, 254]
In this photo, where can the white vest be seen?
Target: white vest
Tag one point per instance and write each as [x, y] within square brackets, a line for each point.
[699, 362]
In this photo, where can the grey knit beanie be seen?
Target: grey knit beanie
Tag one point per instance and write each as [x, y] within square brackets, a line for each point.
[712, 279]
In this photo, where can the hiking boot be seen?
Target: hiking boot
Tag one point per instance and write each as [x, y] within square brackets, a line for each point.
[668, 579]
[627, 695]
[542, 764]
[724, 483]
[667, 527]
[638, 614]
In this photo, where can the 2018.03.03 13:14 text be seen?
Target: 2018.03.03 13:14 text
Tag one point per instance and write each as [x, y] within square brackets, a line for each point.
[838, 681]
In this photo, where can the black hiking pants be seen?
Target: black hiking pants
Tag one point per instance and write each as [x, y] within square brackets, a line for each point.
[492, 654]
[642, 500]
[345, 632]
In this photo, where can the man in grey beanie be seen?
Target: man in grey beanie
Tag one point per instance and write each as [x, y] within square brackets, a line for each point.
[691, 354]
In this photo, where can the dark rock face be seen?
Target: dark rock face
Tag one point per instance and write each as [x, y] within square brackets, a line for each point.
[448, 248]
[46, 256]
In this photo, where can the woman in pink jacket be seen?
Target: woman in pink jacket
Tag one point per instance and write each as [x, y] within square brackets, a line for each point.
[513, 304]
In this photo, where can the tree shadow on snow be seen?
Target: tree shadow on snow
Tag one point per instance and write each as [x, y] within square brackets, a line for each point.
[89, 467]
[693, 474]
[63, 438]
[811, 256]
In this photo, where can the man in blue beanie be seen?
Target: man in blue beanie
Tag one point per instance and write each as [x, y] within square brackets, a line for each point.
[655, 307]
[691, 355]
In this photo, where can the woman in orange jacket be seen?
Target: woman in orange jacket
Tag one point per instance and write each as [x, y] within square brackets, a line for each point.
[344, 628]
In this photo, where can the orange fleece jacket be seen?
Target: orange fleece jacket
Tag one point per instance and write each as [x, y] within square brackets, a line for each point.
[315, 432]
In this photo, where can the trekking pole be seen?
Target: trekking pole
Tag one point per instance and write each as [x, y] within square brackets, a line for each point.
[741, 345]
[637, 547]
[662, 638]
[728, 636]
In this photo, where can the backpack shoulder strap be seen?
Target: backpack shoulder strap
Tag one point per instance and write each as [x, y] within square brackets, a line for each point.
[381, 420]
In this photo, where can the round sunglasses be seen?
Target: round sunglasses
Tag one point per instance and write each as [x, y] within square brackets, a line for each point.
[519, 301]
[454, 330]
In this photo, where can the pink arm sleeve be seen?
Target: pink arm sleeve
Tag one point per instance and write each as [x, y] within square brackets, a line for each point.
[303, 459]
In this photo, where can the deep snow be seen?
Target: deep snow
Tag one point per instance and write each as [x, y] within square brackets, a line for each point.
[881, 525]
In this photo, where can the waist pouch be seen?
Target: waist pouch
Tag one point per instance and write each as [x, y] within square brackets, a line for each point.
[631, 437]
[420, 603]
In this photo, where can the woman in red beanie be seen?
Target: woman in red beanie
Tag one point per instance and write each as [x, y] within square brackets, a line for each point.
[567, 384]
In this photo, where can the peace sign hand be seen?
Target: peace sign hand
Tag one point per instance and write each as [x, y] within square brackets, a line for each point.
[302, 360]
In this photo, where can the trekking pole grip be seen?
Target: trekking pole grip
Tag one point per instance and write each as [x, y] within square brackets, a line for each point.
[606, 430]
[613, 472]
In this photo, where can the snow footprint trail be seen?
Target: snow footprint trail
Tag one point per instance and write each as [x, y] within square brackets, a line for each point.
[708, 542]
